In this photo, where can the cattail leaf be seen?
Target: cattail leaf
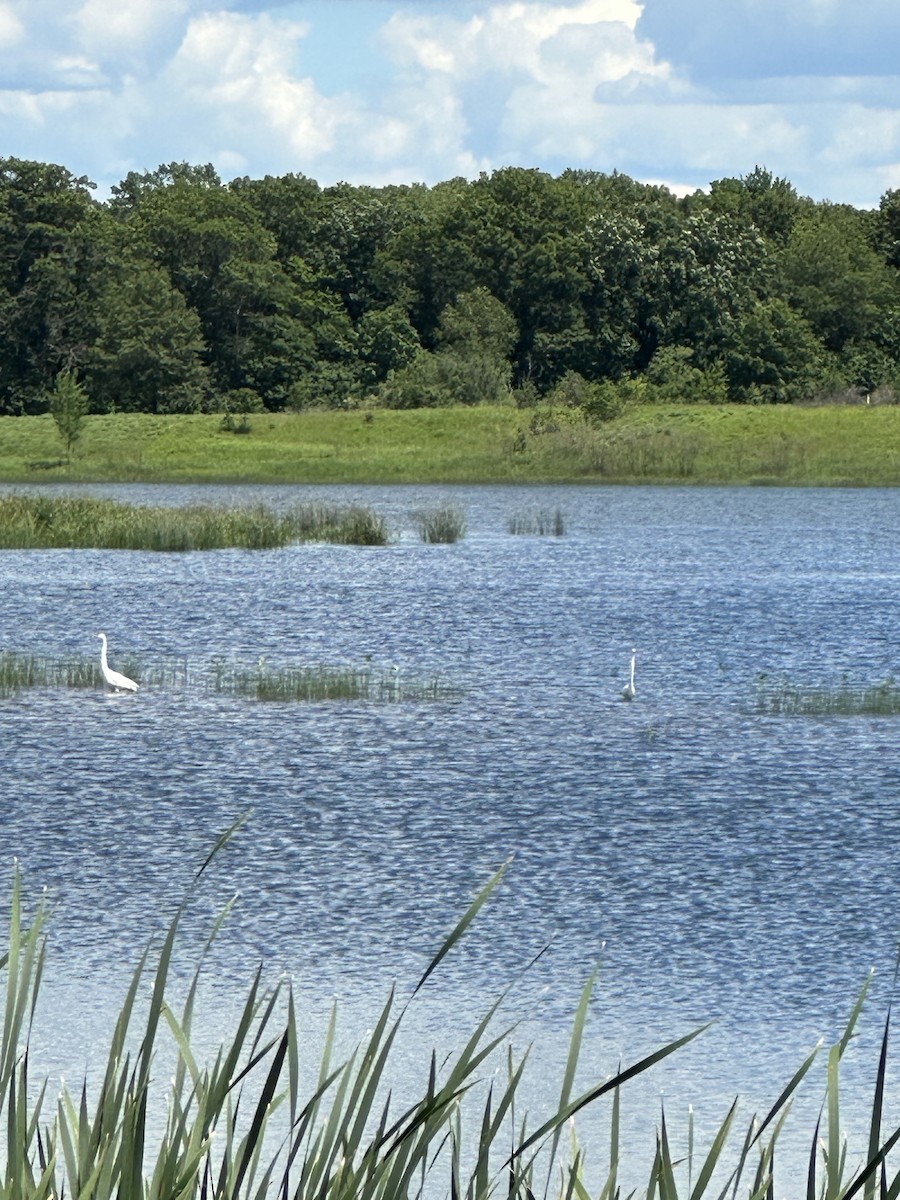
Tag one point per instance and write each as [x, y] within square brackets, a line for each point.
[463, 924]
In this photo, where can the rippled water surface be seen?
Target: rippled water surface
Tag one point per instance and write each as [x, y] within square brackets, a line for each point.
[715, 862]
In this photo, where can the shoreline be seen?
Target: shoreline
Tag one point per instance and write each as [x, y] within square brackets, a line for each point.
[697, 445]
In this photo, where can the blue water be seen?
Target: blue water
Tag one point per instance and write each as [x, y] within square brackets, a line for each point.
[716, 863]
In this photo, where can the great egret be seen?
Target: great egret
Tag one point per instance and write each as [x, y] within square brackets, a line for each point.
[628, 689]
[121, 683]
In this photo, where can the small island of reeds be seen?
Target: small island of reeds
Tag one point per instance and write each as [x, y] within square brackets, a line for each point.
[540, 522]
[41, 521]
[312, 683]
[786, 699]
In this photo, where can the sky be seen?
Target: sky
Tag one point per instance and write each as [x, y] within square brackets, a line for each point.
[678, 92]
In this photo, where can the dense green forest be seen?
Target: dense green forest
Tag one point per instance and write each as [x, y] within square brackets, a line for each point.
[181, 293]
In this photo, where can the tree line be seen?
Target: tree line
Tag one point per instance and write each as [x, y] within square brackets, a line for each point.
[181, 293]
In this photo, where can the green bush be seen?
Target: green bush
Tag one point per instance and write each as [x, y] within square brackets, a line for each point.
[69, 405]
[607, 400]
[673, 378]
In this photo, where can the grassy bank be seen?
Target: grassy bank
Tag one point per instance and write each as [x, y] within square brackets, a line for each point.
[654, 444]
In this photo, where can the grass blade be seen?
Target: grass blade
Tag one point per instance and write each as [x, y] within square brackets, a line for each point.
[463, 924]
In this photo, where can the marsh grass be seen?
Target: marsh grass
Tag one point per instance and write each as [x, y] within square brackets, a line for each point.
[540, 522]
[445, 524]
[787, 699]
[21, 672]
[248, 1126]
[322, 683]
[355, 525]
[45, 521]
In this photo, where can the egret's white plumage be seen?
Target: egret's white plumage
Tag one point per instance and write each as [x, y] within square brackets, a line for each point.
[121, 683]
[628, 689]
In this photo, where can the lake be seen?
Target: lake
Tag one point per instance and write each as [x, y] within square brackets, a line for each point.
[714, 862]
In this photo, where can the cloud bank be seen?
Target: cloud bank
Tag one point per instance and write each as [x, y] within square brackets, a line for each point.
[369, 91]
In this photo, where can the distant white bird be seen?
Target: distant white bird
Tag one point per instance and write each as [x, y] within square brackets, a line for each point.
[121, 683]
[628, 689]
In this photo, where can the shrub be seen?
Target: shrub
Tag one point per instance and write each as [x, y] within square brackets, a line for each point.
[68, 405]
[674, 378]
[607, 400]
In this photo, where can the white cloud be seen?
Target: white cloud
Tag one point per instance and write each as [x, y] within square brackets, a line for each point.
[76, 71]
[236, 78]
[12, 31]
[861, 136]
[422, 127]
[107, 25]
[505, 37]
[239, 92]
[707, 136]
[677, 189]
[453, 87]
[544, 64]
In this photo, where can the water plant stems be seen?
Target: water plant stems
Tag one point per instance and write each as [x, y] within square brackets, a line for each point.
[445, 524]
[539, 522]
[246, 1127]
[845, 700]
[43, 521]
[319, 682]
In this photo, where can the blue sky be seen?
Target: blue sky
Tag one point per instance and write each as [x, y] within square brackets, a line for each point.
[679, 92]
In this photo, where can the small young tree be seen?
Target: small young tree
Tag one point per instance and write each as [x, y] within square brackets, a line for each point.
[68, 407]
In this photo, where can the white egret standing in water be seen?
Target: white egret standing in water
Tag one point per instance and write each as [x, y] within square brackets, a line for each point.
[121, 683]
[628, 689]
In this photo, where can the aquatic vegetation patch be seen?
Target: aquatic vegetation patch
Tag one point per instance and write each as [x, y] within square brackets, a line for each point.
[444, 524]
[21, 672]
[541, 522]
[42, 521]
[353, 526]
[319, 683]
[844, 700]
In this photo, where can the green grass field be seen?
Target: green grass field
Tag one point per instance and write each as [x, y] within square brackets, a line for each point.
[842, 446]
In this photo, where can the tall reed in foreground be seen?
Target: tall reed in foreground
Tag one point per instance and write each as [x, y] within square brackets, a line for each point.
[245, 1126]
[240, 1127]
